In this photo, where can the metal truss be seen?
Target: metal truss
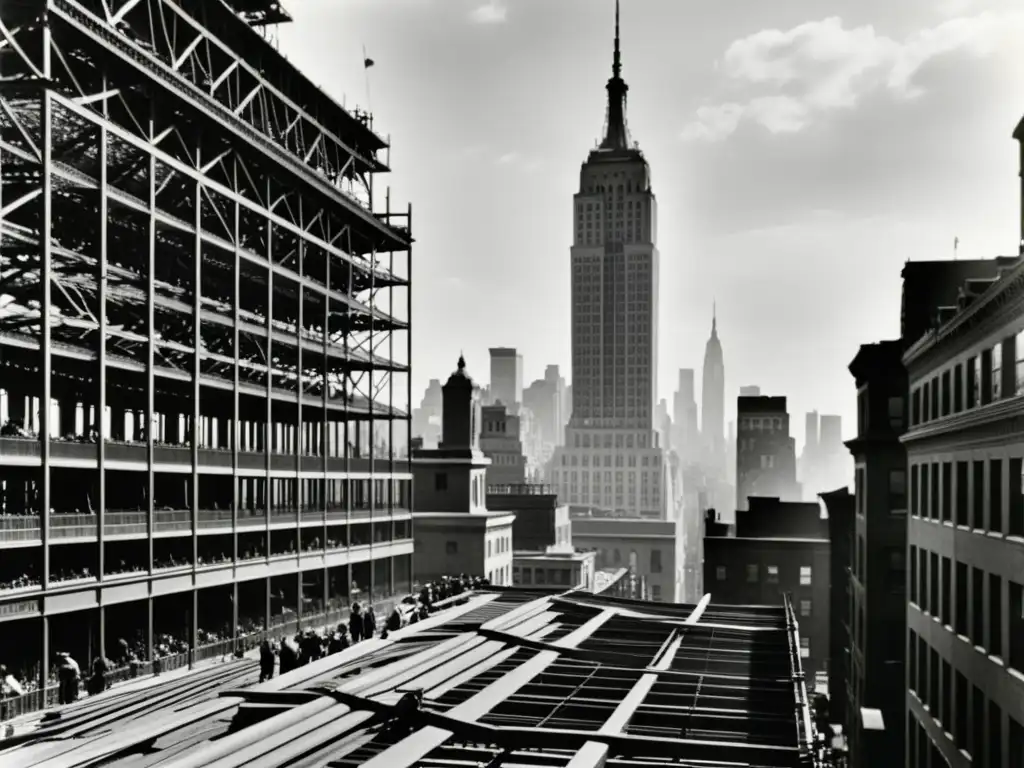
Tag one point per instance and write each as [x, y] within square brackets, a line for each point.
[571, 680]
[145, 111]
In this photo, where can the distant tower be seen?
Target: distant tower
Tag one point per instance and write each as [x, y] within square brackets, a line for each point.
[713, 392]
[460, 420]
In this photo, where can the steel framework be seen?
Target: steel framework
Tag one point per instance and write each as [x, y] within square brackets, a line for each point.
[514, 680]
[190, 254]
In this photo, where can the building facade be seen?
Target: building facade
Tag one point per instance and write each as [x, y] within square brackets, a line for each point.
[965, 446]
[455, 531]
[612, 459]
[685, 427]
[651, 549]
[506, 378]
[775, 549]
[501, 442]
[841, 507]
[765, 453]
[201, 340]
[877, 577]
[712, 412]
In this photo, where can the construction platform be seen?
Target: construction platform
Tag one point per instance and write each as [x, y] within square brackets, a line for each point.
[508, 679]
[204, 334]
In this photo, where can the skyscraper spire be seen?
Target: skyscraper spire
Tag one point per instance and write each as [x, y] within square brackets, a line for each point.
[617, 57]
[616, 135]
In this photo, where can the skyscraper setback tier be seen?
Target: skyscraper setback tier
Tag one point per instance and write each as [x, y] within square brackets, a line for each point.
[612, 459]
[202, 338]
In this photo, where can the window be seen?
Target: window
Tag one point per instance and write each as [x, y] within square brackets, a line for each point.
[916, 407]
[1018, 344]
[947, 587]
[958, 388]
[995, 734]
[978, 513]
[805, 575]
[973, 383]
[451, 547]
[947, 491]
[767, 461]
[805, 607]
[656, 592]
[441, 481]
[489, 547]
[773, 574]
[1015, 617]
[997, 371]
[913, 574]
[946, 391]
[805, 648]
[960, 607]
[960, 707]
[995, 615]
[898, 491]
[995, 507]
[985, 386]
[960, 512]
[720, 573]
[915, 489]
[752, 573]
[923, 506]
[655, 561]
[977, 607]
[1015, 526]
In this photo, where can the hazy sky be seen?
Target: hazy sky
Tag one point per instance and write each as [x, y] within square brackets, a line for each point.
[801, 151]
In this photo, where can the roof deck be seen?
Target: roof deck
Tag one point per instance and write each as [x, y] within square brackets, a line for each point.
[509, 679]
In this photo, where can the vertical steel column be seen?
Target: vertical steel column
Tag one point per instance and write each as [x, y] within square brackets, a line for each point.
[408, 384]
[151, 333]
[268, 430]
[197, 369]
[101, 349]
[236, 417]
[300, 443]
[101, 370]
[371, 407]
[392, 485]
[45, 271]
[325, 441]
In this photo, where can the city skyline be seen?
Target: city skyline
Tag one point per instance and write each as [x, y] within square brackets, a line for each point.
[522, 77]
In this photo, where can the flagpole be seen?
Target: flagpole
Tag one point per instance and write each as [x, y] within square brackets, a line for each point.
[366, 70]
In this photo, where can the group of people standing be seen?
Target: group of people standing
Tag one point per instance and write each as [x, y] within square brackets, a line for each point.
[304, 647]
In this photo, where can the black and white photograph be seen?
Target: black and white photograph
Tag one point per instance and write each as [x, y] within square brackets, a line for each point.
[511, 383]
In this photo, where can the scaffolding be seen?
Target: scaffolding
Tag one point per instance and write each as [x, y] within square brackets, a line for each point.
[204, 321]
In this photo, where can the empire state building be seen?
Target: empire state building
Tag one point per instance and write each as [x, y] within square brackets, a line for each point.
[611, 460]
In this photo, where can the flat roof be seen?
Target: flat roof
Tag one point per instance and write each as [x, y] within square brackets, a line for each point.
[509, 678]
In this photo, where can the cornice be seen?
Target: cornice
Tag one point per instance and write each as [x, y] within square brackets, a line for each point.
[989, 310]
[992, 424]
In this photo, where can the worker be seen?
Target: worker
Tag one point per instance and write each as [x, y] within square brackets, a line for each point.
[369, 622]
[355, 622]
[267, 660]
[98, 681]
[69, 675]
[289, 655]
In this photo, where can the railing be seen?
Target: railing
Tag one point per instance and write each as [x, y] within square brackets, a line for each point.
[120, 523]
[284, 624]
[522, 489]
[181, 455]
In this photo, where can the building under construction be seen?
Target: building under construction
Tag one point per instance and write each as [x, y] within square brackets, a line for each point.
[508, 679]
[204, 335]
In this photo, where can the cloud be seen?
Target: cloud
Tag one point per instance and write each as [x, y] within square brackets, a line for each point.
[509, 158]
[492, 12]
[794, 76]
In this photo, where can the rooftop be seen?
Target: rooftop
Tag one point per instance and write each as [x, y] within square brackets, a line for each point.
[512, 678]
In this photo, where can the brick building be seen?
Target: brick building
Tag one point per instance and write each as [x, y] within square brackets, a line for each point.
[775, 547]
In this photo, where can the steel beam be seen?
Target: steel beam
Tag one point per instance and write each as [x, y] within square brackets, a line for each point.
[414, 748]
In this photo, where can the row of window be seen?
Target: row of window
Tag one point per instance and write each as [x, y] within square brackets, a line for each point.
[608, 441]
[980, 380]
[962, 598]
[974, 724]
[771, 575]
[955, 492]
